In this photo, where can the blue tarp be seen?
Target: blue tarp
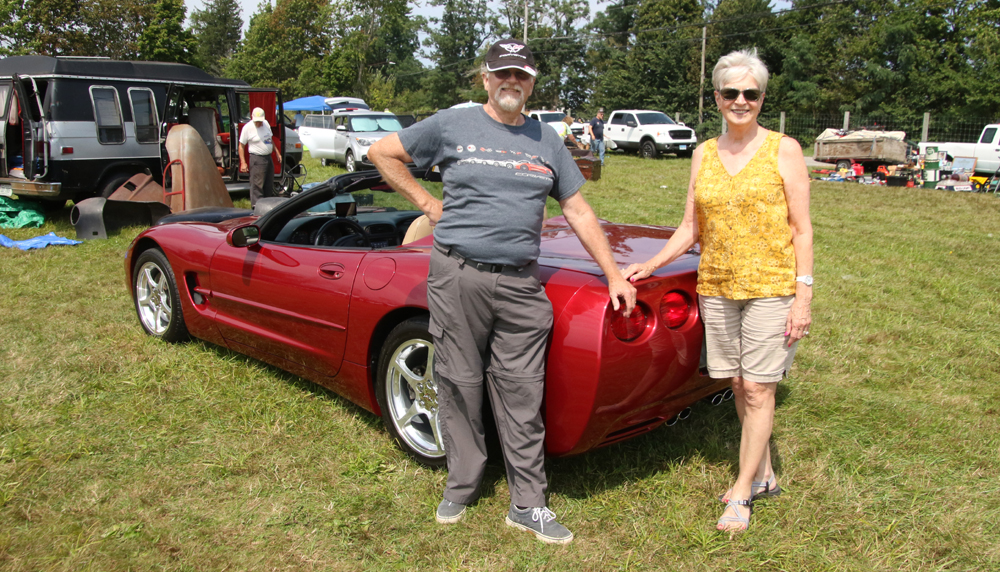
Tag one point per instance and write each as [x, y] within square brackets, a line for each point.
[37, 242]
[311, 103]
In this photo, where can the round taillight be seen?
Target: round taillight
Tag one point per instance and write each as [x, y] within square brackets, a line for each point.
[628, 328]
[674, 309]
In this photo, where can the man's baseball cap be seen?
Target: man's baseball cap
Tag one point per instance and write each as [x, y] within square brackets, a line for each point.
[257, 115]
[510, 54]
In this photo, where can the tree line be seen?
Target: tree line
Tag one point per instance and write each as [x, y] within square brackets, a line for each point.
[893, 57]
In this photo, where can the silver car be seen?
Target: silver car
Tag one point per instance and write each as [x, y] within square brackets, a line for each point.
[345, 136]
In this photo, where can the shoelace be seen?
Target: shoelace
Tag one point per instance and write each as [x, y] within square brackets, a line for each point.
[542, 515]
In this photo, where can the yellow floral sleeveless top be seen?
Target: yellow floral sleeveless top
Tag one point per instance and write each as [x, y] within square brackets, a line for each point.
[746, 243]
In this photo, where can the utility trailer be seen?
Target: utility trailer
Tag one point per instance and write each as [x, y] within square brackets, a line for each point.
[870, 148]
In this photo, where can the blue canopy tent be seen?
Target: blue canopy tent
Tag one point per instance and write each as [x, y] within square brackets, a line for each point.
[311, 103]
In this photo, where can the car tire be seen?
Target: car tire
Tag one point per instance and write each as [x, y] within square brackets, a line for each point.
[349, 162]
[843, 164]
[407, 393]
[325, 162]
[156, 297]
[112, 183]
[647, 150]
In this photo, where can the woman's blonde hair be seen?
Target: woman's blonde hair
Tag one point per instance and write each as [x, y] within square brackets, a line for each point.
[735, 65]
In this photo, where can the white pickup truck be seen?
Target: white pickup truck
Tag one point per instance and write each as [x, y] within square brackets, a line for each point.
[986, 150]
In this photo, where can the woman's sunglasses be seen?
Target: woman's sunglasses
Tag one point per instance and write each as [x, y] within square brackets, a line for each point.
[731, 93]
[505, 74]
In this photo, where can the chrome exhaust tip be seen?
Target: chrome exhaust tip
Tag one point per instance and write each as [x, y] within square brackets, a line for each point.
[727, 394]
[684, 414]
[717, 399]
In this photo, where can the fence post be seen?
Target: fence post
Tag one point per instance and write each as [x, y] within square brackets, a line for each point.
[678, 117]
[725, 127]
[926, 128]
[847, 120]
[781, 124]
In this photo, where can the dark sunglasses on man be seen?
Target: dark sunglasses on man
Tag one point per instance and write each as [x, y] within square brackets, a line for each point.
[731, 93]
[505, 74]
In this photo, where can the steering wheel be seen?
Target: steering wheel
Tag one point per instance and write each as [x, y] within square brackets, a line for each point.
[349, 233]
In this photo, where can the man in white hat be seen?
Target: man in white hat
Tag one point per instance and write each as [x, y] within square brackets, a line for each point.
[489, 315]
[256, 139]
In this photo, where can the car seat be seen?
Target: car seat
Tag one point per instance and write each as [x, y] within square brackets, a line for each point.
[419, 228]
[203, 120]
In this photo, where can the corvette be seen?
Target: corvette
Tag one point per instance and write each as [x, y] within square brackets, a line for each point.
[340, 298]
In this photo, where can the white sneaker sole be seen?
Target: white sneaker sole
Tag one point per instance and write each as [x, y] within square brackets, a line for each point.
[539, 535]
[449, 519]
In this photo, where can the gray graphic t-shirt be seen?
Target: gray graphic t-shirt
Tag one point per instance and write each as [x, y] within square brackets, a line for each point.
[496, 179]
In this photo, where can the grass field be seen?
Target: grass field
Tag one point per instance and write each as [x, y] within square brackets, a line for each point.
[119, 452]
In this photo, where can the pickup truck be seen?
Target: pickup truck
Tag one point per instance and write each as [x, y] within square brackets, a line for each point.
[986, 150]
[649, 132]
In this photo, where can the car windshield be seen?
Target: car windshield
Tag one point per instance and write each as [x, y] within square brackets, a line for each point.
[550, 117]
[654, 118]
[372, 123]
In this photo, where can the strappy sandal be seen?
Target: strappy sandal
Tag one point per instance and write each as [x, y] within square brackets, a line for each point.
[738, 519]
[771, 489]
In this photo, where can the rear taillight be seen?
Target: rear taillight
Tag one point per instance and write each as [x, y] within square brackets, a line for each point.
[675, 307]
[631, 327]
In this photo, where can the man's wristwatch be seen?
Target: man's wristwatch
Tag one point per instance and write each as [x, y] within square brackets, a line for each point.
[807, 280]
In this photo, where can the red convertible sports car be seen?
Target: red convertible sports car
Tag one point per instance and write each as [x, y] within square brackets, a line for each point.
[340, 297]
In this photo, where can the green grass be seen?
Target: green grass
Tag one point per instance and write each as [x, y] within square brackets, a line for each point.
[118, 452]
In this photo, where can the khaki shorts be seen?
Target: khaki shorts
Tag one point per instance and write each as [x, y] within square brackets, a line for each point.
[746, 338]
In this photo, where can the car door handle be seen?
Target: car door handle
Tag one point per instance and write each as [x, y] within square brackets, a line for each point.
[331, 271]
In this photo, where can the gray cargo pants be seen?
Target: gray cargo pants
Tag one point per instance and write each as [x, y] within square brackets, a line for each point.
[261, 169]
[495, 322]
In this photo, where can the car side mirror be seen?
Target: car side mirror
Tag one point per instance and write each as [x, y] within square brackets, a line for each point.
[631, 124]
[341, 128]
[243, 236]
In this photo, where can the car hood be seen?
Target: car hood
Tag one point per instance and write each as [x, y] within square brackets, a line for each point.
[561, 248]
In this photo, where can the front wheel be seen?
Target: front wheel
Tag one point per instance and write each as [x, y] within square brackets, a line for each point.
[349, 162]
[647, 150]
[157, 299]
[843, 164]
[407, 393]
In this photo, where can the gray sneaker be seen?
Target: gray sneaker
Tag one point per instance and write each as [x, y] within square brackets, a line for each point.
[542, 522]
[449, 512]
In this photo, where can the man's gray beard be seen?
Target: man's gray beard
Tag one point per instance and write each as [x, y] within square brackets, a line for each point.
[510, 103]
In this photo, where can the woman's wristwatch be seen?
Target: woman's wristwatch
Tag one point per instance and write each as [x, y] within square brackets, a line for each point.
[807, 280]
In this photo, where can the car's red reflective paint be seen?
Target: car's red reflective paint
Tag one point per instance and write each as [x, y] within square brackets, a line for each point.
[323, 313]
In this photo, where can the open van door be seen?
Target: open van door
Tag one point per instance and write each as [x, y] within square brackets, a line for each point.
[171, 115]
[29, 125]
[269, 100]
[6, 90]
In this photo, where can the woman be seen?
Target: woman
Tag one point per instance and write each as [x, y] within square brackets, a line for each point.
[748, 206]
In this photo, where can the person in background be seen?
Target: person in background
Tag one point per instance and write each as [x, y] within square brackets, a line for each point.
[299, 118]
[748, 206]
[489, 315]
[596, 131]
[563, 130]
[256, 140]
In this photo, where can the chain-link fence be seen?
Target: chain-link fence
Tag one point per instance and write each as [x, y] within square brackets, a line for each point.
[806, 128]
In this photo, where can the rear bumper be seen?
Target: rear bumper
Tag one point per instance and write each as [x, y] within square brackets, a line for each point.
[25, 188]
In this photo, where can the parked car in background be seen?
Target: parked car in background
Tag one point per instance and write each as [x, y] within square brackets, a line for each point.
[649, 132]
[340, 298]
[80, 127]
[345, 136]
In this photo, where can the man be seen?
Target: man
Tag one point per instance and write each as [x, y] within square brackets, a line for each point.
[255, 139]
[596, 131]
[565, 132]
[488, 310]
